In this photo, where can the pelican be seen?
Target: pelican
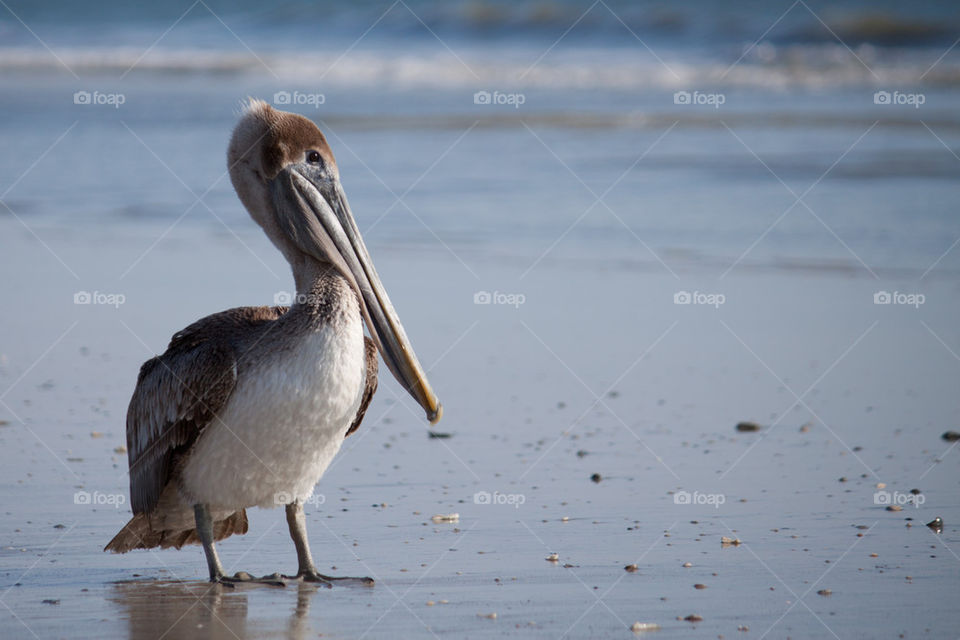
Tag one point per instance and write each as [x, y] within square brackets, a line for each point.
[247, 407]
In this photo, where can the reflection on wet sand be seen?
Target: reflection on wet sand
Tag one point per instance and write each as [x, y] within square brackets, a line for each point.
[201, 610]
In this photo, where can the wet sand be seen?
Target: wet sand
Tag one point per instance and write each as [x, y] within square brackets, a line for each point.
[596, 372]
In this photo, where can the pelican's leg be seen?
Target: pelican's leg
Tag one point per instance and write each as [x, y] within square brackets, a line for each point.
[298, 531]
[205, 528]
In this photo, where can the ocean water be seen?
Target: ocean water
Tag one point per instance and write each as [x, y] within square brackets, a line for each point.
[588, 148]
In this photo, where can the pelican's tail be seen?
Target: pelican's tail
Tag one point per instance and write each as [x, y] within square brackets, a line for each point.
[146, 531]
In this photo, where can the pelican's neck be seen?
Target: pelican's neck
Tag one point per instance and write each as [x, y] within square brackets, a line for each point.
[308, 273]
[323, 294]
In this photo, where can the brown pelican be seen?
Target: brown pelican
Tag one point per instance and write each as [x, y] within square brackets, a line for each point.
[247, 407]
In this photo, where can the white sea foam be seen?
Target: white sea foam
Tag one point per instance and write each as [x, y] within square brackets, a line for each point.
[764, 66]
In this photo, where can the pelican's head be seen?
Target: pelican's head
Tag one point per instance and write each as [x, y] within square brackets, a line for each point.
[286, 177]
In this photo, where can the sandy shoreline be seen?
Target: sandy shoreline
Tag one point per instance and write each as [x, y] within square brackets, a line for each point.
[596, 372]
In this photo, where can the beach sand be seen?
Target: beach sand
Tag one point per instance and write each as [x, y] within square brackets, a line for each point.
[591, 369]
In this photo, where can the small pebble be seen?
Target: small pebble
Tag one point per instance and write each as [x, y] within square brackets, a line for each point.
[936, 524]
[693, 617]
[120, 449]
[489, 616]
[824, 592]
[743, 627]
[687, 565]
[596, 477]
[699, 586]
[951, 436]
[725, 541]
[438, 435]
[630, 568]
[637, 627]
[748, 426]
[51, 601]
[553, 557]
[894, 507]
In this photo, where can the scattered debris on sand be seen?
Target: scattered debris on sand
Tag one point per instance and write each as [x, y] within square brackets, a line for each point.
[951, 436]
[894, 507]
[553, 557]
[596, 477]
[729, 542]
[699, 586]
[438, 435]
[638, 627]
[748, 427]
[936, 524]
[489, 616]
[693, 617]
[446, 518]
[630, 568]
[825, 592]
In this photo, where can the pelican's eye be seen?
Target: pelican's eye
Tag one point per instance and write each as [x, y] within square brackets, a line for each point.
[313, 156]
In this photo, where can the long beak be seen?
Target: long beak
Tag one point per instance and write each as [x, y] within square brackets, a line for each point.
[318, 220]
